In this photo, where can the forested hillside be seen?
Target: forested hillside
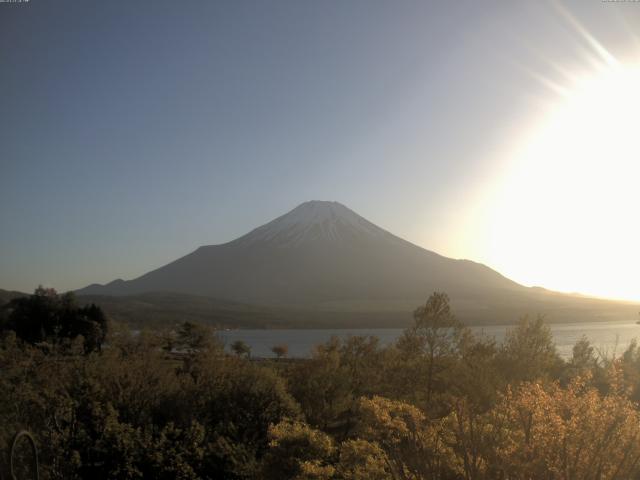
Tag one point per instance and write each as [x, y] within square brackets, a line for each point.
[440, 403]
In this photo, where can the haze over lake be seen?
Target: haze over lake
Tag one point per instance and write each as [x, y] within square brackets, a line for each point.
[607, 337]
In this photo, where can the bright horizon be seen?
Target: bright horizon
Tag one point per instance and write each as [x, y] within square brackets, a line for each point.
[132, 135]
[575, 168]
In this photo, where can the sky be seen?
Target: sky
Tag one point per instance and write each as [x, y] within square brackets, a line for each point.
[133, 132]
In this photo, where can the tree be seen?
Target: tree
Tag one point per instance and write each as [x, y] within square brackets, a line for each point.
[240, 348]
[296, 450]
[92, 324]
[194, 343]
[363, 460]
[435, 335]
[280, 350]
[475, 376]
[528, 352]
[237, 401]
[194, 338]
[321, 385]
[573, 432]
[412, 444]
[48, 316]
[584, 360]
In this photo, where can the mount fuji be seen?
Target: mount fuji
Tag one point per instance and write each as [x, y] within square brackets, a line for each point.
[322, 256]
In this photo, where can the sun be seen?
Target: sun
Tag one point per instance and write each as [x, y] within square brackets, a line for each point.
[566, 213]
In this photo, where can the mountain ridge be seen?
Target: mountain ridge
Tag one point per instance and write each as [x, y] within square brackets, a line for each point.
[325, 240]
[324, 257]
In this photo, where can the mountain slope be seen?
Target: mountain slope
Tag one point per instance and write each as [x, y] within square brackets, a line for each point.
[7, 295]
[323, 261]
[319, 252]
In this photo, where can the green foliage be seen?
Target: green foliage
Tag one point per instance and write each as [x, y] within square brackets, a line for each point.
[438, 404]
[46, 316]
[241, 349]
[328, 385]
[132, 412]
[296, 449]
[321, 386]
[238, 401]
[193, 338]
[528, 352]
[175, 453]
[434, 336]
[476, 375]
[412, 443]
[363, 460]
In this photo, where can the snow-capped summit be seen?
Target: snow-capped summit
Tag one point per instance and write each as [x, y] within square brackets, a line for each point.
[315, 220]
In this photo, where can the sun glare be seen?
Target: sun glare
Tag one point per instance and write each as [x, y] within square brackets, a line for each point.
[566, 213]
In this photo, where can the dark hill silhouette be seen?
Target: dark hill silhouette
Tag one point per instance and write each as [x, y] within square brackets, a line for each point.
[7, 295]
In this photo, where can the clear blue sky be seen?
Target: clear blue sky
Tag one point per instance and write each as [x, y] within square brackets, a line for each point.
[133, 132]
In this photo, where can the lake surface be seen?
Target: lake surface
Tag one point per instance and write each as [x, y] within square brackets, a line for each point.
[607, 337]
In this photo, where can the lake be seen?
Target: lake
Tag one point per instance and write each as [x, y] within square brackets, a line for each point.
[606, 337]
